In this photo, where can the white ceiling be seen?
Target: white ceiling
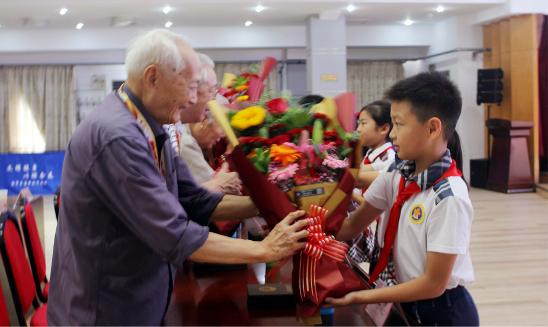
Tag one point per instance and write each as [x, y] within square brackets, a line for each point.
[38, 14]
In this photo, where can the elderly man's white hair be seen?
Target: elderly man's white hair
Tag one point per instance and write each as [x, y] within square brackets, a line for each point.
[159, 47]
[206, 63]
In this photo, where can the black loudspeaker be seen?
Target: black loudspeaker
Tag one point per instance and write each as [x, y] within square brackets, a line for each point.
[479, 171]
[489, 86]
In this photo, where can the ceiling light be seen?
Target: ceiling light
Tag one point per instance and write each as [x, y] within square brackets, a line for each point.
[168, 24]
[259, 8]
[167, 9]
[408, 22]
[79, 26]
[63, 11]
[440, 9]
[248, 23]
[350, 8]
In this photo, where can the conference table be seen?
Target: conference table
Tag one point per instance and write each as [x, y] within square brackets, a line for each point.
[219, 297]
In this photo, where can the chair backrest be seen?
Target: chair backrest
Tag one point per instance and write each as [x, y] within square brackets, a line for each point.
[4, 315]
[17, 267]
[34, 246]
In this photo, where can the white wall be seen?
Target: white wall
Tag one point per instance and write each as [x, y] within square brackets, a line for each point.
[93, 48]
[509, 8]
[223, 37]
[93, 83]
[461, 32]
[411, 68]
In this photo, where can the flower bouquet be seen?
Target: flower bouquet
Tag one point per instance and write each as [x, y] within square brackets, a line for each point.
[288, 158]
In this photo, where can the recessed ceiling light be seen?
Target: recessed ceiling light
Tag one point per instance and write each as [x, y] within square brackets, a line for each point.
[167, 9]
[408, 22]
[63, 11]
[440, 9]
[168, 24]
[259, 8]
[248, 23]
[79, 26]
[350, 8]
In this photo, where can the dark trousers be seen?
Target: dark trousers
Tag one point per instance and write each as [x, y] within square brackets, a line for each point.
[455, 307]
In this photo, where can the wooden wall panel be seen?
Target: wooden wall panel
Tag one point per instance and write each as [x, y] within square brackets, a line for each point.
[514, 48]
[524, 71]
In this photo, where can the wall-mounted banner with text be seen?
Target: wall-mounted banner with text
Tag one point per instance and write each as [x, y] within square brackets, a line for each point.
[39, 172]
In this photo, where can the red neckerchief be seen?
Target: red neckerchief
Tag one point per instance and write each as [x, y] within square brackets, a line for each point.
[404, 193]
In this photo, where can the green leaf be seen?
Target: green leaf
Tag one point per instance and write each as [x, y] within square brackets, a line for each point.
[317, 132]
[296, 118]
[263, 132]
[261, 160]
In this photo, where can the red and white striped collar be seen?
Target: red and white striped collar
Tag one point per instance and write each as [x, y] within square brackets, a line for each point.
[373, 154]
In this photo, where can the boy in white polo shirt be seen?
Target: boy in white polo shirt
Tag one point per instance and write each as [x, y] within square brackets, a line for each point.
[428, 229]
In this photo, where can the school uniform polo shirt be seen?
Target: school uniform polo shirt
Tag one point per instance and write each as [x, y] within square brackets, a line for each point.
[438, 219]
[381, 158]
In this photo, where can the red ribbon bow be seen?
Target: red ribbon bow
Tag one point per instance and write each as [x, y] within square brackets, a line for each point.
[317, 245]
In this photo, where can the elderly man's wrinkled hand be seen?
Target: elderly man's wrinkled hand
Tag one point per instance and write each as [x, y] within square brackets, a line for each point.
[286, 237]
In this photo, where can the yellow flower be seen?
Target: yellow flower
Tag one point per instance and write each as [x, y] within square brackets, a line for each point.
[242, 98]
[284, 154]
[248, 117]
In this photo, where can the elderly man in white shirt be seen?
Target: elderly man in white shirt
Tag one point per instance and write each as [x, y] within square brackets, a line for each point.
[184, 138]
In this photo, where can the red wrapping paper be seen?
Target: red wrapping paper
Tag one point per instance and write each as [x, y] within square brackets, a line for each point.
[256, 87]
[336, 217]
[256, 84]
[333, 279]
[268, 64]
[272, 203]
[346, 110]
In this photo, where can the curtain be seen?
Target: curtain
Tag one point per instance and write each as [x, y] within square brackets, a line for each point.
[39, 108]
[369, 80]
[543, 92]
[272, 83]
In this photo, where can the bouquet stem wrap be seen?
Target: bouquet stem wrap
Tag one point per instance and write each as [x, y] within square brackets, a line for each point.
[268, 198]
[315, 277]
[319, 270]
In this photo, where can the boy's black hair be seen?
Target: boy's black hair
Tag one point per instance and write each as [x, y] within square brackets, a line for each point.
[433, 95]
[380, 112]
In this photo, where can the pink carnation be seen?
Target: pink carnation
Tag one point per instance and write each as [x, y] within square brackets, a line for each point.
[283, 174]
[334, 163]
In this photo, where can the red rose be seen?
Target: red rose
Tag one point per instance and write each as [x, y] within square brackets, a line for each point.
[280, 139]
[277, 106]
[253, 139]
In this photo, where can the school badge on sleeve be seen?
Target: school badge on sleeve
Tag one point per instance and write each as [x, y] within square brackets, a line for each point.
[417, 214]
